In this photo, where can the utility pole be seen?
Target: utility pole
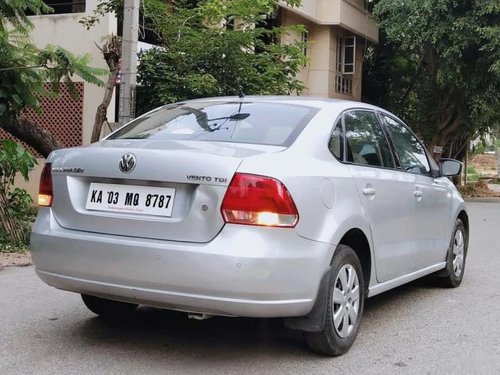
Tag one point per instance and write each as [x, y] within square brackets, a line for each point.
[128, 79]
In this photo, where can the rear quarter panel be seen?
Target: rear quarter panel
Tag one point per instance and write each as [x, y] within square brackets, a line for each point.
[322, 188]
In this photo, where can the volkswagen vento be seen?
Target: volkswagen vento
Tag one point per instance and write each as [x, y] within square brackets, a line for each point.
[258, 207]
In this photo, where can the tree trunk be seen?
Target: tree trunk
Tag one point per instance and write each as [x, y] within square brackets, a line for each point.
[111, 52]
[101, 112]
[445, 129]
[32, 134]
[497, 154]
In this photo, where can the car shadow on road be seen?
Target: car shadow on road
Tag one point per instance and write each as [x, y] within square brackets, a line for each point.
[151, 330]
[159, 332]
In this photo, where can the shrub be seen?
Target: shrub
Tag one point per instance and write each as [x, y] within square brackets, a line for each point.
[471, 170]
[16, 206]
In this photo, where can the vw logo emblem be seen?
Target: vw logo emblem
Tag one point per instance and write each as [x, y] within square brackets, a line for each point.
[127, 163]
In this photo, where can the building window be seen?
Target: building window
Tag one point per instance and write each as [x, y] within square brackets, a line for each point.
[66, 6]
[346, 54]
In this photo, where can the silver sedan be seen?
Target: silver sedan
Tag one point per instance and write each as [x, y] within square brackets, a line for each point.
[259, 207]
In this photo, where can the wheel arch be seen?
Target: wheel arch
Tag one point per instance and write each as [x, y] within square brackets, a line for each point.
[462, 215]
[357, 240]
[315, 320]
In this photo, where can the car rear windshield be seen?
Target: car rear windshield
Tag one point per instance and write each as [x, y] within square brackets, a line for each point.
[241, 122]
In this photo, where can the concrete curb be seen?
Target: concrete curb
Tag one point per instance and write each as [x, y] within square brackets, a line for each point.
[482, 199]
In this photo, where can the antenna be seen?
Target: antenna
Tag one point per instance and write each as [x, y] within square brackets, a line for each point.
[241, 94]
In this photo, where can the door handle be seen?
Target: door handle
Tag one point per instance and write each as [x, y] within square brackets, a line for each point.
[417, 194]
[369, 191]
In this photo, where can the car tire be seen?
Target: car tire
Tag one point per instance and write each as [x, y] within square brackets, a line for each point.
[452, 275]
[344, 309]
[108, 308]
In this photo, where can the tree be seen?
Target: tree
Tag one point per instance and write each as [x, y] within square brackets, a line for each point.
[213, 48]
[219, 47]
[438, 67]
[25, 68]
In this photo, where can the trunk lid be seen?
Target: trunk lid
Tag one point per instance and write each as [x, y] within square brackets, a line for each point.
[195, 175]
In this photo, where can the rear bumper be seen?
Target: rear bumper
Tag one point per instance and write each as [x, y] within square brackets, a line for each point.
[244, 271]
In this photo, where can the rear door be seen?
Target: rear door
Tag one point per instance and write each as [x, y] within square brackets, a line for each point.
[384, 192]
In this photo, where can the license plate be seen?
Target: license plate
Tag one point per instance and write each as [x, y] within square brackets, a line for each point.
[142, 200]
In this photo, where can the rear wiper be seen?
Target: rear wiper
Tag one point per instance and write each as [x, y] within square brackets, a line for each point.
[234, 117]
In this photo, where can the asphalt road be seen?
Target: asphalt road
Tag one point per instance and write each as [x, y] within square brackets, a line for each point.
[415, 329]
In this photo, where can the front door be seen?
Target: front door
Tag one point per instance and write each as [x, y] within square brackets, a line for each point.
[431, 197]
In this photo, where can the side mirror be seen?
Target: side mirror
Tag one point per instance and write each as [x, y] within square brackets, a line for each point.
[450, 167]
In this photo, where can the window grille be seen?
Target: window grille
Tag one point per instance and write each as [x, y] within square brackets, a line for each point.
[61, 115]
[66, 6]
[343, 84]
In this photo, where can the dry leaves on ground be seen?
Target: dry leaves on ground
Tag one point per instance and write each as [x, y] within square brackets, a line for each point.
[478, 189]
[15, 259]
[484, 161]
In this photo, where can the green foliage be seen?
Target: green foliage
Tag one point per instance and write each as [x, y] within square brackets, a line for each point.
[23, 213]
[437, 66]
[14, 11]
[13, 159]
[103, 7]
[219, 47]
[16, 206]
[24, 68]
[472, 178]
[471, 170]
[482, 147]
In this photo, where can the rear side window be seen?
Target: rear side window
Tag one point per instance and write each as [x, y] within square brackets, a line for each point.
[241, 122]
[336, 144]
[366, 141]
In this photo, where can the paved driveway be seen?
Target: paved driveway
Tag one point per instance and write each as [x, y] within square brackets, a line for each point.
[416, 329]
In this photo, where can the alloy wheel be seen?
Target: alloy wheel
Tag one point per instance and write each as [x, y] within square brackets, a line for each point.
[458, 253]
[345, 300]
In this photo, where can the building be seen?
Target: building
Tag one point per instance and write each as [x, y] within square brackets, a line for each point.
[338, 32]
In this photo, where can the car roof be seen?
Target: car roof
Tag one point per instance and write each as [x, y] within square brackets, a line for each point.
[312, 101]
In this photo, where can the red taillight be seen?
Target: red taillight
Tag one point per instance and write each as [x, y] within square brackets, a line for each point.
[45, 191]
[258, 200]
